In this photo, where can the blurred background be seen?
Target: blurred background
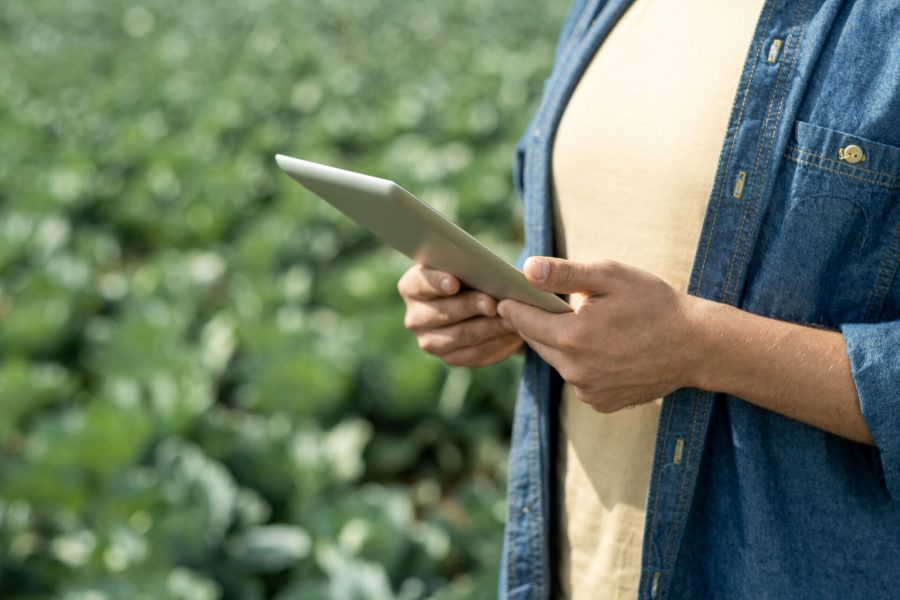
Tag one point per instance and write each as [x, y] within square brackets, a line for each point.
[205, 387]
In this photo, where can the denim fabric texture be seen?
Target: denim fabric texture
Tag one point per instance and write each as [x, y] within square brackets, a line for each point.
[759, 506]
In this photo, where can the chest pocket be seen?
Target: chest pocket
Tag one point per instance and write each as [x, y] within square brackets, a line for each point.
[830, 246]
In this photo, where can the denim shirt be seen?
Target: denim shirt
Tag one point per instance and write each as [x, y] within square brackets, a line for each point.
[743, 502]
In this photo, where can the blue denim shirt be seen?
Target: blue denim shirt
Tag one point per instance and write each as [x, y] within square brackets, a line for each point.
[759, 505]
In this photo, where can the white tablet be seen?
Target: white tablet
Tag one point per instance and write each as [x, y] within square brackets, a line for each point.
[418, 231]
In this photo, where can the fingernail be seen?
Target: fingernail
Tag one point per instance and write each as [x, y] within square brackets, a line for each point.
[501, 310]
[482, 306]
[446, 286]
[539, 269]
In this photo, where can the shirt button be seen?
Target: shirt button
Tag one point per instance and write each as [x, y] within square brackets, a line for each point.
[852, 154]
[654, 585]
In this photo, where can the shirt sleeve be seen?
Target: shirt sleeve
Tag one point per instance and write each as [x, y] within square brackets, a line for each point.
[874, 351]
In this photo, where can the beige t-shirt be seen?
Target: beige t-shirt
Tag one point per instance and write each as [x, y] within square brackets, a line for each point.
[633, 166]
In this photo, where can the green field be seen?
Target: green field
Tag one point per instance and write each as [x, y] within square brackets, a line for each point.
[205, 387]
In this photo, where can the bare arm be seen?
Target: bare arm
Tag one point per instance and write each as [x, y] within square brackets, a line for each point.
[800, 372]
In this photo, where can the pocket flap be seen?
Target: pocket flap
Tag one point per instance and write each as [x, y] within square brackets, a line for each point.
[845, 154]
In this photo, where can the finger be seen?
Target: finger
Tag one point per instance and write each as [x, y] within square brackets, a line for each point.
[475, 331]
[422, 283]
[552, 356]
[488, 353]
[562, 276]
[534, 323]
[447, 311]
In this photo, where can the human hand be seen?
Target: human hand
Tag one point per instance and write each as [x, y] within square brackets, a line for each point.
[462, 328]
[628, 341]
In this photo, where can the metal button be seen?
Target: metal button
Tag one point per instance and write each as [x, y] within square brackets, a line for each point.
[852, 154]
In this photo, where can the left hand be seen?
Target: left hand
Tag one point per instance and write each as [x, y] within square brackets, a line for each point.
[629, 340]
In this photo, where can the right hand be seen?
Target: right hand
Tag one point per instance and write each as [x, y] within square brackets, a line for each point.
[462, 328]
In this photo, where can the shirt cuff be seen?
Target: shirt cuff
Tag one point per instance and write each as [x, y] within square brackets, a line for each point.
[874, 351]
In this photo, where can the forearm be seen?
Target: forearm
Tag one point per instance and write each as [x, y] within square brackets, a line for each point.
[797, 371]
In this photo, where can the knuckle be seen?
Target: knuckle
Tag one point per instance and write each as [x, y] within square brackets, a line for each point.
[443, 314]
[427, 344]
[472, 303]
[568, 340]
[608, 268]
[468, 334]
[411, 320]
[409, 276]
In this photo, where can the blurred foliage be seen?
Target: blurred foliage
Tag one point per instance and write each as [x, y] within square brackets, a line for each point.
[205, 387]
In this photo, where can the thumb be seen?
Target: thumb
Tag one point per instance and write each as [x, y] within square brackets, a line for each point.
[561, 276]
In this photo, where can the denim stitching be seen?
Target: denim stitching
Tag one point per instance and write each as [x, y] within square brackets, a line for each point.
[683, 507]
[533, 542]
[578, 30]
[797, 159]
[543, 520]
[511, 531]
[845, 164]
[784, 69]
[777, 120]
[726, 166]
[885, 279]
[751, 203]
[681, 499]
[581, 27]
[744, 247]
[657, 460]
[859, 205]
[512, 534]
[534, 491]
[750, 206]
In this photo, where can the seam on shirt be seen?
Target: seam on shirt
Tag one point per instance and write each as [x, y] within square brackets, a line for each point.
[534, 492]
[512, 528]
[681, 500]
[754, 173]
[660, 456]
[590, 8]
[885, 280]
[726, 167]
[797, 159]
[536, 517]
[845, 164]
[577, 31]
[743, 247]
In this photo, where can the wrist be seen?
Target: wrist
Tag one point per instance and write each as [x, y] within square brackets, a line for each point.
[702, 343]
